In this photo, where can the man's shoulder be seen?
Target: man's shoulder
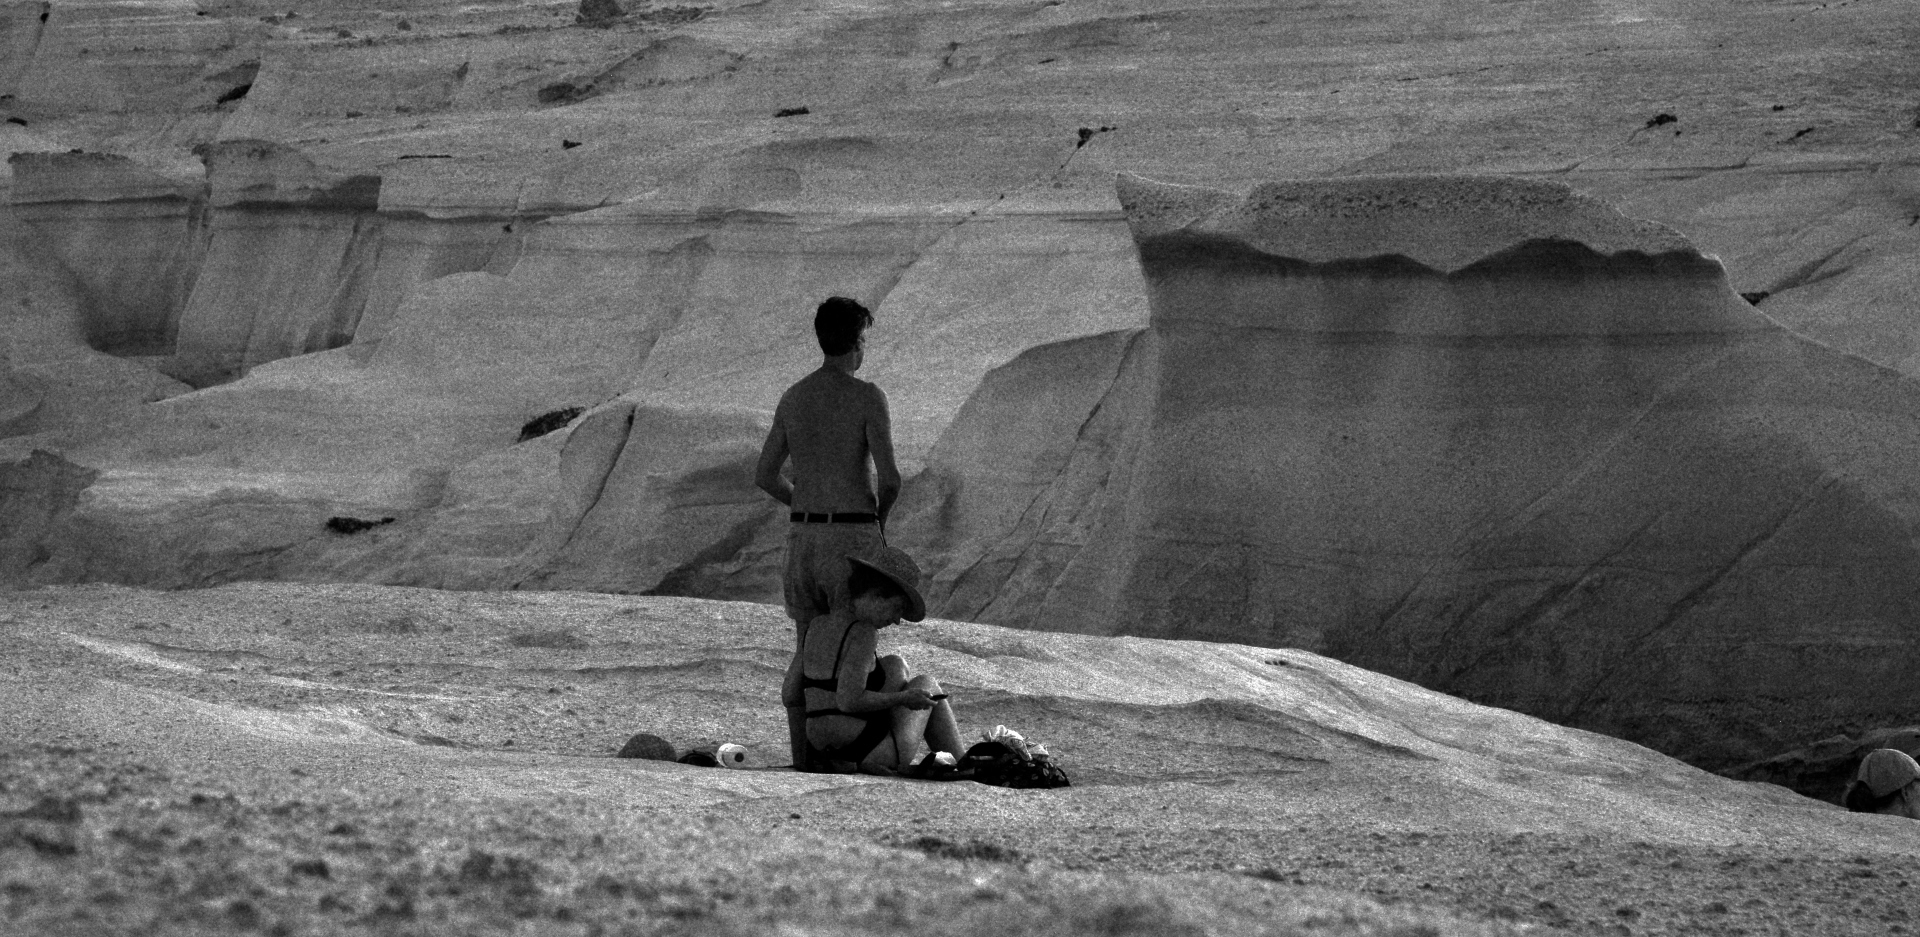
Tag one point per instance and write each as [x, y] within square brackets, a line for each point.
[828, 384]
[866, 390]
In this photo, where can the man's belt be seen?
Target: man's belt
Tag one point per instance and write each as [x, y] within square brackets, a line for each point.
[802, 517]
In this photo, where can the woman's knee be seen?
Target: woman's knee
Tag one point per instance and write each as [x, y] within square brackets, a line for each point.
[925, 682]
[897, 671]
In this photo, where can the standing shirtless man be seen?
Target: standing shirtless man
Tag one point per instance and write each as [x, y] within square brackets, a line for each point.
[831, 423]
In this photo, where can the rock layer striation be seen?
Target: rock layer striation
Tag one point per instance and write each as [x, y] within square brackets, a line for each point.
[1485, 434]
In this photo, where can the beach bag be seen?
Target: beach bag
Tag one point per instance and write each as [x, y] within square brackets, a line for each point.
[1002, 765]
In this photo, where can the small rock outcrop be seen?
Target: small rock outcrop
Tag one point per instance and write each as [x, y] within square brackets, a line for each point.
[648, 746]
[35, 494]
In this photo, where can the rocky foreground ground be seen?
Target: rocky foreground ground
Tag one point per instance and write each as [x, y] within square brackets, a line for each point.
[353, 759]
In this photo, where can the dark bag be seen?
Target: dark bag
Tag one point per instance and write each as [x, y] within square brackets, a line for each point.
[996, 764]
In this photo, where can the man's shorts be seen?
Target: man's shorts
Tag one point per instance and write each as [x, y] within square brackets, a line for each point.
[817, 568]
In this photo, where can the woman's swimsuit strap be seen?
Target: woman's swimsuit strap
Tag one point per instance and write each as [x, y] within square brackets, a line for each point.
[876, 678]
[879, 724]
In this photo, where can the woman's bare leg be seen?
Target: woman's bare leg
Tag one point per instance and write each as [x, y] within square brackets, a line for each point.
[895, 751]
[942, 730]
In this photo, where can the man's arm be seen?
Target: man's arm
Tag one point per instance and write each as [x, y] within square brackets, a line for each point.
[773, 454]
[880, 447]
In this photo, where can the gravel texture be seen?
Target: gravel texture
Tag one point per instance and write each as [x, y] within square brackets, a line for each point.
[330, 759]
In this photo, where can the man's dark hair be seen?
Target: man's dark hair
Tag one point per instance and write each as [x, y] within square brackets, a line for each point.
[867, 580]
[838, 324]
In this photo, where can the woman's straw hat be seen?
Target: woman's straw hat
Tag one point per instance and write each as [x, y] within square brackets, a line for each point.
[895, 564]
[1886, 770]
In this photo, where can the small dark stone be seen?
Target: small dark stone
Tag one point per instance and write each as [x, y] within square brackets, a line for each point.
[1661, 120]
[511, 873]
[50, 809]
[569, 144]
[16, 120]
[403, 26]
[791, 112]
[561, 92]
[599, 13]
[243, 913]
[648, 746]
[45, 838]
[1755, 297]
[314, 867]
[991, 852]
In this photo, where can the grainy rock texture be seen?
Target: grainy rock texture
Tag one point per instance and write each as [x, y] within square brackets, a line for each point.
[359, 759]
[1483, 434]
[262, 267]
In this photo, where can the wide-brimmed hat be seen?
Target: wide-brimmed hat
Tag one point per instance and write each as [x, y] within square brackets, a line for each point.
[895, 564]
[1886, 770]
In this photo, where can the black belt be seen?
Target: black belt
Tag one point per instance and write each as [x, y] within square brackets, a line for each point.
[802, 517]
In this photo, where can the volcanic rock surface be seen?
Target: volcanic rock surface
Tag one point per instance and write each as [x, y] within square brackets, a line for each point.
[264, 266]
[363, 759]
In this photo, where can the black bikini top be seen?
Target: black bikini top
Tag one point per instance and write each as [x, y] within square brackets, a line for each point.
[876, 678]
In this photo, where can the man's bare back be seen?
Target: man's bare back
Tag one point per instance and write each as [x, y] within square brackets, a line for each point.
[831, 423]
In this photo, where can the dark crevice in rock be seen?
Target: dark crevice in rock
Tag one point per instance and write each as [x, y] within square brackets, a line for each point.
[1678, 610]
[1812, 271]
[354, 525]
[548, 422]
[598, 486]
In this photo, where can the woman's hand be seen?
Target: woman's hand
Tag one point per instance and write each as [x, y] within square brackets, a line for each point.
[915, 698]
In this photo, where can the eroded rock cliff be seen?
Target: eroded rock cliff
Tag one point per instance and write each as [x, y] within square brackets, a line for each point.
[1481, 433]
[374, 241]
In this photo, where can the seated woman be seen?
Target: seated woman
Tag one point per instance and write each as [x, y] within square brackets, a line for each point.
[862, 709]
[1888, 782]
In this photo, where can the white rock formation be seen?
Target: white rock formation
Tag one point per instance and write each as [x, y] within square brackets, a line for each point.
[1485, 434]
[380, 250]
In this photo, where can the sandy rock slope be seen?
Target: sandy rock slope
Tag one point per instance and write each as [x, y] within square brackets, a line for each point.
[347, 759]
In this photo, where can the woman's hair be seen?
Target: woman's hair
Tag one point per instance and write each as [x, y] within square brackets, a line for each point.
[838, 324]
[1860, 799]
[865, 580]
